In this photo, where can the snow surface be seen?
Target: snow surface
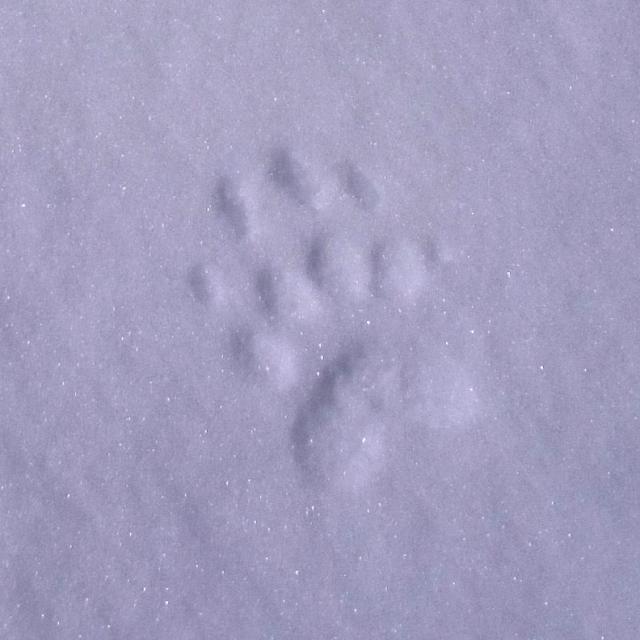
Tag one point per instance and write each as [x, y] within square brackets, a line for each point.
[320, 320]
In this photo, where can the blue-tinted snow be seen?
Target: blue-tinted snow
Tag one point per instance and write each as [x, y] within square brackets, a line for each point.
[319, 320]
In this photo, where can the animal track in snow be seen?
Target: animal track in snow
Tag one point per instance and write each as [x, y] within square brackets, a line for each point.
[325, 304]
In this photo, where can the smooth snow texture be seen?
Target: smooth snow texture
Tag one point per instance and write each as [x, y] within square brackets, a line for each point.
[319, 320]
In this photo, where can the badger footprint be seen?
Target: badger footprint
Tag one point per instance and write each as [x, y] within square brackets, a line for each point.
[317, 295]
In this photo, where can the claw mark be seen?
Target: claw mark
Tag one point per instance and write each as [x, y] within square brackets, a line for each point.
[197, 279]
[242, 349]
[230, 207]
[266, 290]
[289, 175]
[315, 261]
[359, 187]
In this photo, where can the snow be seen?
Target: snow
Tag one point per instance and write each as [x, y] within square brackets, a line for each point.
[319, 320]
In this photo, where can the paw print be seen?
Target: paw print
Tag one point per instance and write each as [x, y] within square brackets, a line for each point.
[326, 303]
